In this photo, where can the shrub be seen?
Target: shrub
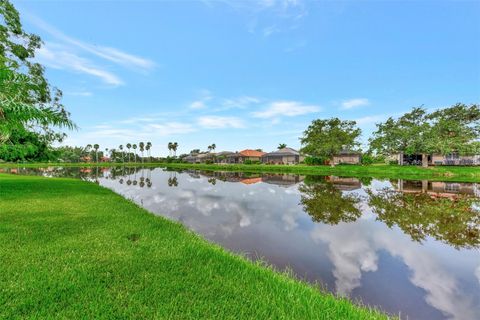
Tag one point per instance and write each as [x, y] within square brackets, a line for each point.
[313, 161]
[367, 159]
[248, 161]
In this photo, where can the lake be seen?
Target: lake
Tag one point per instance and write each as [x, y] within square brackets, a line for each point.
[407, 247]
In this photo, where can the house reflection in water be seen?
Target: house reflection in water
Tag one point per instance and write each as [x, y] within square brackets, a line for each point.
[438, 188]
[282, 179]
[344, 183]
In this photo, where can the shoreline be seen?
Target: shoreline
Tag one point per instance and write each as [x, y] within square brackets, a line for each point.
[443, 173]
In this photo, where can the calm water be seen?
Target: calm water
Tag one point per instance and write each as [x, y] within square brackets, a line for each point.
[407, 247]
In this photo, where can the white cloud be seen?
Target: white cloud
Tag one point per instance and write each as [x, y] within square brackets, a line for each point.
[79, 93]
[199, 104]
[354, 103]
[286, 108]
[241, 102]
[369, 120]
[285, 14]
[58, 57]
[108, 53]
[217, 122]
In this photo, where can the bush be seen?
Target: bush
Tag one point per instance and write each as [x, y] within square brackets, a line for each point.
[208, 161]
[367, 159]
[248, 161]
[314, 161]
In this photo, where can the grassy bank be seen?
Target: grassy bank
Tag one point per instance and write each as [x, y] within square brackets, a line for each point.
[71, 249]
[450, 173]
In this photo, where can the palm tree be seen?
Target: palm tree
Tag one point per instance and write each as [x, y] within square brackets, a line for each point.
[282, 145]
[121, 150]
[170, 148]
[134, 146]
[149, 145]
[209, 148]
[174, 148]
[214, 146]
[106, 153]
[96, 146]
[129, 145]
[142, 148]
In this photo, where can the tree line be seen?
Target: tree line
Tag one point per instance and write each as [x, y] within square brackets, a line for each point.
[455, 129]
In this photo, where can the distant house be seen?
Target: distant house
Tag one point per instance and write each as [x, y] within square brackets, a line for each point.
[191, 158]
[86, 159]
[283, 156]
[452, 159]
[244, 155]
[222, 157]
[347, 157]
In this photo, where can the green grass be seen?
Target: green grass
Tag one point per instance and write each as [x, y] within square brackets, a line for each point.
[70, 249]
[445, 173]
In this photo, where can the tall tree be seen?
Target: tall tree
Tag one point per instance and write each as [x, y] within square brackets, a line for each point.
[26, 99]
[174, 148]
[408, 134]
[96, 146]
[134, 146]
[129, 146]
[148, 147]
[120, 147]
[327, 137]
[170, 146]
[282, 145]
[454, 129]
[142, 148]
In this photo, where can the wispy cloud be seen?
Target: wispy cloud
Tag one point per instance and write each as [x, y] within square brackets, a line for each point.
[285, 14]
[354, 103]
[241, 102]
[58, 57]
[79, 93]
[201, 102]
[112, 54]
[286, 108]
[217, 122]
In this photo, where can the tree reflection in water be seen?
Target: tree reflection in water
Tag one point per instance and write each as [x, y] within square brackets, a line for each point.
[327, 204]
[453, 220]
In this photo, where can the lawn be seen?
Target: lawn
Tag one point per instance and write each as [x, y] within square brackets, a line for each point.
[444, 173]
[71, 249]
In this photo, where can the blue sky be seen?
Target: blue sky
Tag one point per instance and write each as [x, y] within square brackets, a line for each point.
[250, 74]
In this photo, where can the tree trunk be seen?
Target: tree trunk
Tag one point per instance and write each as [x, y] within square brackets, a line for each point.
[424, 160]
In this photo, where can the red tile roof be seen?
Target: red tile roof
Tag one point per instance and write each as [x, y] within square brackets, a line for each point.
[251, 153]
[251, 180]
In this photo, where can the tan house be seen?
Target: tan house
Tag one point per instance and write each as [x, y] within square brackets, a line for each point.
[247, 154]
[283, 156]
[452, 159]
[347, 157]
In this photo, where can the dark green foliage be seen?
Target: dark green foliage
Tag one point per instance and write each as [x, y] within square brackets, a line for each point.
[27, 102]
[325, 138]
[454, 129]
[314, 161]
[25, 145]
[453, 221]
[327, 204]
